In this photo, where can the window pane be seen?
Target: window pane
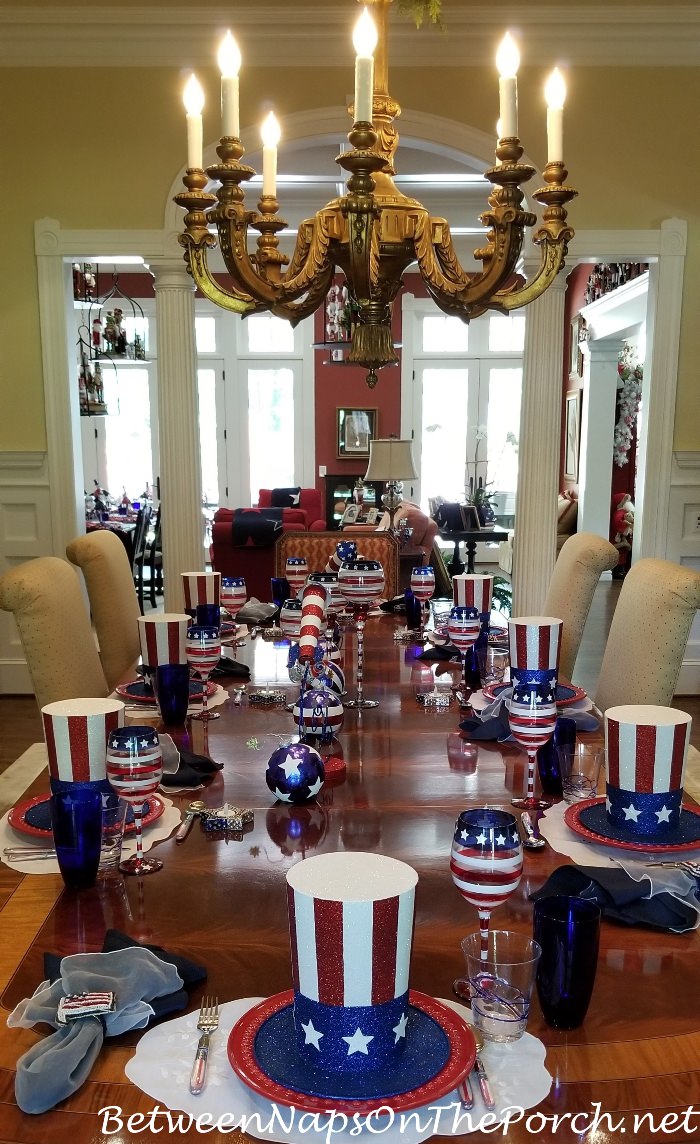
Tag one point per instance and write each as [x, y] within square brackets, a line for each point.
[507, 333]
[206, 380]
[505, 387]
[444, 434]
[270, 429]
[128, 435]
[269, 335]
[135, 324]
[443, 335]
[205, 334]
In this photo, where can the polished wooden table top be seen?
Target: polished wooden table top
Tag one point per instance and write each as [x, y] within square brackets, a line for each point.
[223, 904]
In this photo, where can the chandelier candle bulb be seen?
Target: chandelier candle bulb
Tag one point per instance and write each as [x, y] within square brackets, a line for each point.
[555, 95]
[508, 62]
[229, 64]
[270, 133]
[364, 39]
[193, 99]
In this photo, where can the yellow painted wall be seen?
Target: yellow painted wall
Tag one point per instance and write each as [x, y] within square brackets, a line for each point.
[99, 148]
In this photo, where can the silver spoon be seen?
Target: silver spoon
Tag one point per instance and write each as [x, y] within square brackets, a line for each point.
[530, 837]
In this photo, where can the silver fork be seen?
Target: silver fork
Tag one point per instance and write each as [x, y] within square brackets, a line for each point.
[208, 1023]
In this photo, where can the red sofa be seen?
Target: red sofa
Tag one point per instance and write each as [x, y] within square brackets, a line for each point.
[256, 563]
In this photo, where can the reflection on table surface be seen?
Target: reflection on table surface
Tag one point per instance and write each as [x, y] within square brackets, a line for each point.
[223, 902]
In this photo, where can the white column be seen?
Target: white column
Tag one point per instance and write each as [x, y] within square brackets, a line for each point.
[597, 432]
[178, 425]
[535, 543]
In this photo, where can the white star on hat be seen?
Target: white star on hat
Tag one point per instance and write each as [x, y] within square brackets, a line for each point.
[630, 812]
[664, 815]
[312, 1036]
[400, 1029]
[358, 1042]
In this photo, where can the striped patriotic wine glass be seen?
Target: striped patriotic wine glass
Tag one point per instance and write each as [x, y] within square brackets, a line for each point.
[233, 596]
[486, 864]
[422, 586]
[361, 583]
[535, 642]
[463, 628]
[134, 768]
[296, 570]
[203, 648]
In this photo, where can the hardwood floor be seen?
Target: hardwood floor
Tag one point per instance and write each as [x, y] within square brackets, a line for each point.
[20, 722]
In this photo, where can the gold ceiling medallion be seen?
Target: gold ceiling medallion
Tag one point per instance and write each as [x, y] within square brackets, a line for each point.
[373, 233]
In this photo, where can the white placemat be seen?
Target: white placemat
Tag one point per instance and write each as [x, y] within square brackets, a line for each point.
[565, 841]
[161, 828]
[163, 1059]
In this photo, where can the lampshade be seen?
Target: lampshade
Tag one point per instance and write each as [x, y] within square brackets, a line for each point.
[390, 460]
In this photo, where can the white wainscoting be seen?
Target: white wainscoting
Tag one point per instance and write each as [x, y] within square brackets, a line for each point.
[683, 547]
[25, 532]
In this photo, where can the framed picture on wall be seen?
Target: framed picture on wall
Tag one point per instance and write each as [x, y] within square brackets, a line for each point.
[572, 434]
[355, 428]
[575, 355]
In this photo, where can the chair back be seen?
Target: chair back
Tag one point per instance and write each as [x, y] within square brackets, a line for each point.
[648, 635]
[143, 521]
[45, 598]
[581, 561]
[115, 608]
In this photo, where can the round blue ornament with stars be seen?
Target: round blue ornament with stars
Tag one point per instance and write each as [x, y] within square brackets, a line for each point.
[295, 773]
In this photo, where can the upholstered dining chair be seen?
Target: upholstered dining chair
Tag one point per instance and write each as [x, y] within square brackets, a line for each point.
[648, 635]
[59, 645]
[581, 560]
[114, 604]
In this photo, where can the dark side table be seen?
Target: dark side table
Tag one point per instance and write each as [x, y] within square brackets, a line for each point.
[471, 538]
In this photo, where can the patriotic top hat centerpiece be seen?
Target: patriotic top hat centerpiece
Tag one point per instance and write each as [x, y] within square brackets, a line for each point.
[76, 732]
[350, 1029]
[646, 751]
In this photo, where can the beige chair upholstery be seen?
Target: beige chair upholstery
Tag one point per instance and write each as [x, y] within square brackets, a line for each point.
[54, 627]
[582, 559]
[102, 558]
[648, 635]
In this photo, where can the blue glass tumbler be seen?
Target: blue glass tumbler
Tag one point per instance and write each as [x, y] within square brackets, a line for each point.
[568, 931]
[208, 615]
[172, 682]
[548, 756]
[280, 590]
[414, 610]
[76, 820]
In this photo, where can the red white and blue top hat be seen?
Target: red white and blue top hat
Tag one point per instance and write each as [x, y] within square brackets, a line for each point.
[76, 733]
[471, 591]
[162, 638]
[535, 643]
[351, 928]
[201, 588]
[646, 751]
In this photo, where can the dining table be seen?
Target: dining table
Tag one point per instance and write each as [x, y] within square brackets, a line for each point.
[221, 901]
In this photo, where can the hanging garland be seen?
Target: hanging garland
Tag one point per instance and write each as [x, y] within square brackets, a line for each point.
[629, 394]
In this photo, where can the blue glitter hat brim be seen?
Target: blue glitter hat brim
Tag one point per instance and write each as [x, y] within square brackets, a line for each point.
[427, 1052]
[595, 818]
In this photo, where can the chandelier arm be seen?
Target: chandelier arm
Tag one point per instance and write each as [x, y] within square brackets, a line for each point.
[232, 227]
[553, 254]
[197, 266]
[295, 312]
[456, 286]
[310, 260]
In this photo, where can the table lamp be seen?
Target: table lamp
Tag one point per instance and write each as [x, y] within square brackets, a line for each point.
[391, 460]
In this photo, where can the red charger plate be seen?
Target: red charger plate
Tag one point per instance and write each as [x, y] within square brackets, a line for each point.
[124, 692]
[242, 1059]
[16, 819]
[571, 818]
[492, 691]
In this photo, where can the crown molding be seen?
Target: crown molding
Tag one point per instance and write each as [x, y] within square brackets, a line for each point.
[78, 36]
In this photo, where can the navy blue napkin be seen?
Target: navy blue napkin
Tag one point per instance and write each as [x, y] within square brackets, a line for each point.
[192, 769]
[230, 667]
[621, 898]
[496, 729]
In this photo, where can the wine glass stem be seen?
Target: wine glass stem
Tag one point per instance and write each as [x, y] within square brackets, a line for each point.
[204, 676]
[531, 760]
[360, 656]
[138, 811]
[484, 923]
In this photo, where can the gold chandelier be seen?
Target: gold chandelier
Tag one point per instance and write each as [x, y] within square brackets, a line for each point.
[373, 233]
